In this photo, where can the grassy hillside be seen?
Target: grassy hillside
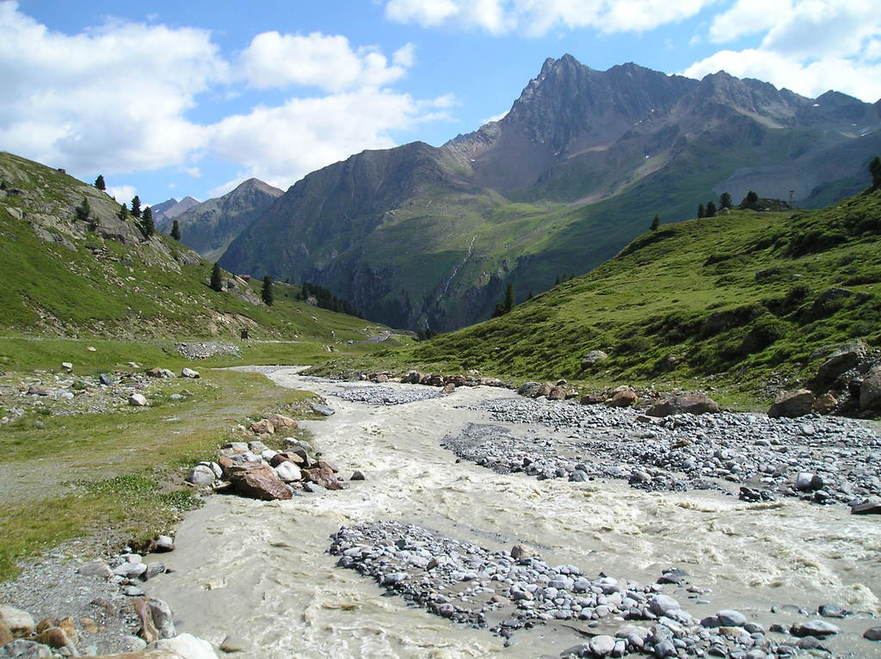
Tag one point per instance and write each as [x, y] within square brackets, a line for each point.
[66, 277]
[743, 295]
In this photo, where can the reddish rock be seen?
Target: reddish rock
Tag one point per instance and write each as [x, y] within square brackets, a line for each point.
[594, 398]
[792, 404]
[54, 637]
[623, 397]
[148, 630]
[557, 392]
[263, 427]
[281, 421]
[5, 634]
[449, 388]
[323, 476]
[825, 404]
[287, 456]
[694, 404]
[259, 482]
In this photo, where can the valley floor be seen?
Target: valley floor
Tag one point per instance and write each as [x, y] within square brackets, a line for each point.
[261, 572]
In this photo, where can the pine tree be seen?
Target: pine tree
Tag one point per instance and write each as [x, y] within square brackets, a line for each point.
[655, 224]
[711, 209]
[700, 211]
[147, 225]
[83, 210]
[123, 212]
[509, 298]
[216, 279]
[875, 169]
[750, 200]
[99, 182]
[725, 200]
[136, 206]
[266, 292]
[175, 230]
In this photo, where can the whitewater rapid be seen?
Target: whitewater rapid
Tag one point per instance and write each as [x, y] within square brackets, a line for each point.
[260, 572]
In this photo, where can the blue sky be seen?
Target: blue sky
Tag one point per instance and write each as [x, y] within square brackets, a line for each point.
[173, 99]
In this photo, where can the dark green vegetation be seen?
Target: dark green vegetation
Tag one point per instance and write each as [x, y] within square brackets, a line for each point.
[738, 296]
[429, 238]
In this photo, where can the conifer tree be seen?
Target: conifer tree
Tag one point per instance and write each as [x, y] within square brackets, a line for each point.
[136, 206]
[750, 200]
[147, 225]
[99, 182]
[700, 211]
[655, 224]
[711, 209]
[725, 200]
[266, 292]
[83, 210]
[216, 279]
[123, 212]
[875, 169]
[175, 230]
[509, 298]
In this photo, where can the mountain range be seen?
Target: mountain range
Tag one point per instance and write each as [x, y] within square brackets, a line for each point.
[428, 237]
[164, 213]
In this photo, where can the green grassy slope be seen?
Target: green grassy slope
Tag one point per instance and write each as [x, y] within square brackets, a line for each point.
[127, 287]
[743, 294]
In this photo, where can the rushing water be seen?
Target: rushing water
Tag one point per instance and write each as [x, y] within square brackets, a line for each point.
[260, 571]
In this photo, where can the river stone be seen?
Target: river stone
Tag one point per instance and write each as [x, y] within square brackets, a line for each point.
[259, 482]
[185, 645]
[281, 421]
[694, 404]
[160, 612]
[831, 610]
[67, 366]
[106, 380]
[663, 605]
[95, 569]
[602, 645]
[201, 475]
[164, 543]
[792, 404]
[288, 472]
[357, 476]
[137, 400]
[623, 397]
[731, 618]
[189, 373]
[325, 410]
[19, 622]
[323, 475]
[866, 508]
[262, 427]
[23, 649]
[816, 628]
[873, 634]
[130, 570]
[54, 638]
[233, 643]
[534, 389]
[521, 552]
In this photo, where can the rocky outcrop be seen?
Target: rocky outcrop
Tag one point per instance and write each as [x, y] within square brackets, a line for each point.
[691, 404]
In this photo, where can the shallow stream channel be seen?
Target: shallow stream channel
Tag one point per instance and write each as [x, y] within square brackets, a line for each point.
[441, 582]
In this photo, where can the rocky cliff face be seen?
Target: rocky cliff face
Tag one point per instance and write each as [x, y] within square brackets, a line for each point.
[420, 235]
[209, 227]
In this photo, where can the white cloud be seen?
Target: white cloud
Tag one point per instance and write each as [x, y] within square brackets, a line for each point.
[808, 46]
[748, 17]
[109, 99]
[537, 17]
[281, 144]
[275, 60]
[122, 193]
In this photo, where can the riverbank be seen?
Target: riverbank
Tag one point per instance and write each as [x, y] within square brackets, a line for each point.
[261, 572]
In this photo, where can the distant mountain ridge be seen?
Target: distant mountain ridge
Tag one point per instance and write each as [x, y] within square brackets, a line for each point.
[164, 213]
[423, 236]
[210, 226]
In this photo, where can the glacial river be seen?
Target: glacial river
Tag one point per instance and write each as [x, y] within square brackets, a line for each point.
[260, 572]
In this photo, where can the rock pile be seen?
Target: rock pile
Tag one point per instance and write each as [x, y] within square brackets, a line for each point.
[206, 349]
[509, 591]
[252, 469]
[385, 396]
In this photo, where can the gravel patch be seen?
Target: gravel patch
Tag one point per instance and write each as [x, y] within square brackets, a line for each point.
[819, 459]
[206, 349]
[384, 396]
[505, 592]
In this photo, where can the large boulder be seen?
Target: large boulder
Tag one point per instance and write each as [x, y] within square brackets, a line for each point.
[185, 645]
[870, 390]
[281, 421]
[842, 359]
[622, 397]
[792, 404]
[19, 623]
[324, 476]
[534, 389]
[259, 482]
[557, 392]
[692, 404]
[593, 358]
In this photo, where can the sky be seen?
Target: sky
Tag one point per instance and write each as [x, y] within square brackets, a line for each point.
[169, 98]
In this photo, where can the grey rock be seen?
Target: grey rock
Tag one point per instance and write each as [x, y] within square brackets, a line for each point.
[137, 400]
[288, 472]
[358, 476]
[95, 569]
[817, 628]
[831, 610]
[164, 543]
[162, 617]
[201, 475]
[873, 634]
[593, 358]
[24, 649]
[602, 645]
[731, 618]
[322, 409]
[663, 605]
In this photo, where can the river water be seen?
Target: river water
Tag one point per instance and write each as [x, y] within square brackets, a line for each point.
[260, 571]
